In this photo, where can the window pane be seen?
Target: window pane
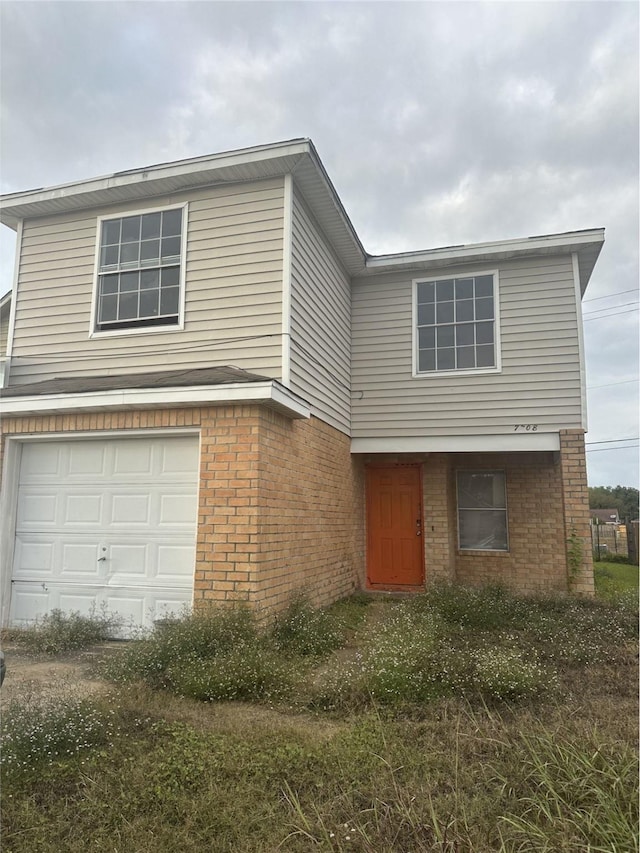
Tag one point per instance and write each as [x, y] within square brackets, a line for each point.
[483, 530]
[485, 356]
[128, 308]
[129, 253]
[149, 300]
[150, 225]
[444, 291]
[109, 283]
[427, 338]
[484, 309]
[484, 286]
[466, 357]
[149, 279]
[150, 250]
[484, 333]
[128, 281]
[171, 223]
[426, 314]
[426, 292]
[170, 247]
[427, 359]
[111, 232]
[109, 256]
[170, 277]
[445, 336]
[464, 335]
[108, 308]
[130, 229]
[481, 490]
[464, 288]
[444, 312]
[464, 310]
[169, 300]
[446, 359]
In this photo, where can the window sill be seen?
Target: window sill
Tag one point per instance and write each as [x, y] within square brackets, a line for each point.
[448, 374]
[139, 330]
[478, 552]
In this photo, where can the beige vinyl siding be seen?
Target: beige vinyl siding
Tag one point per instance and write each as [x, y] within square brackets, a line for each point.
[233, 304]
[320, 321]
[540, 378]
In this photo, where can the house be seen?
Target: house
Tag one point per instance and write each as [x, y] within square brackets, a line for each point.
[213, 393]
[604, 516]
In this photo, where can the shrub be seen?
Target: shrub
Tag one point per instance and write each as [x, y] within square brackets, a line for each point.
[58, 632]
[303, 630]
[245, 673]
[37, 731]
[487, 608]
[201, 635]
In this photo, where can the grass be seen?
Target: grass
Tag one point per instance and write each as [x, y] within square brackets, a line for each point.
[615, 578]
[436, 725]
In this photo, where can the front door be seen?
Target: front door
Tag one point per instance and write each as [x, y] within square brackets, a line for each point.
[394, 527]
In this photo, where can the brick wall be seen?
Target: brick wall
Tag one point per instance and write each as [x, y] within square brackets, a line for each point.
[577, 532]
[536, 559]
[280, 502]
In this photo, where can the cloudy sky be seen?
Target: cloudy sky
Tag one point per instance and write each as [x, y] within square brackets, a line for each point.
[439, 124]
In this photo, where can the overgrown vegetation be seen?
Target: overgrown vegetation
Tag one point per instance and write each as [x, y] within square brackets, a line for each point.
[56, 632]
[460, 720]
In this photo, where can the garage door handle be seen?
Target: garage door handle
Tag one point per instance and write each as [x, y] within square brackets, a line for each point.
[100, 559]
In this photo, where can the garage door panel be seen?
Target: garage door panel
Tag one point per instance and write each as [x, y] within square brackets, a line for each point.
[131, 501]
[34, 558]
[174, 562]
[177, 509]
[131, 509]
[87, 459]
[83, 509]
[37, 508]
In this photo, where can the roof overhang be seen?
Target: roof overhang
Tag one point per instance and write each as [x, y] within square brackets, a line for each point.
[586, 244]
[297, 157]
[271, 394]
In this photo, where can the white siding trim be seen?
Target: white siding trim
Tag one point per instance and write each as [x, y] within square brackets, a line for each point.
[583, 370]
[287, 250]
[459, 443]
[447, 374]
[257, 392]
[174, 327]
[14, 294]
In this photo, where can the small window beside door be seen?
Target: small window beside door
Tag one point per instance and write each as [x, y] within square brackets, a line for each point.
[482, 511]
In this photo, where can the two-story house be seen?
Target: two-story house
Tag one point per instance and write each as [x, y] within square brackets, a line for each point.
[212, 392]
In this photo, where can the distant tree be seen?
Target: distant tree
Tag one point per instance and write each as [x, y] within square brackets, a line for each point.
[622, 498]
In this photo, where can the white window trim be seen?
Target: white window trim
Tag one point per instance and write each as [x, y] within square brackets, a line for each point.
[447, 374]
[140, 330]
[506, 511]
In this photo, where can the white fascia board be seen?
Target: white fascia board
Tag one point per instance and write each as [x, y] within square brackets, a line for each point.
[148, 175]
[570, 241]
[267, 393]
[459, 443]
[581, 350]
[286, 280]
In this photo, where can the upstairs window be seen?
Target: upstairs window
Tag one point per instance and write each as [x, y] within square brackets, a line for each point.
[482, 511]
[140, 270]
[456, 324]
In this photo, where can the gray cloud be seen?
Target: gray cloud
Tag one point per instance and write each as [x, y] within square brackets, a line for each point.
[439, 123]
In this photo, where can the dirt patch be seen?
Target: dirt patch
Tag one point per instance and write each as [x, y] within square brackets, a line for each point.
[74, 674]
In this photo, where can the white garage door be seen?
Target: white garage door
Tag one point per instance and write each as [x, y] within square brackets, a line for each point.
[106, 522]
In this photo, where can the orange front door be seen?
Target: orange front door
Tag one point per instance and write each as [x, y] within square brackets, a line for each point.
[394, 527]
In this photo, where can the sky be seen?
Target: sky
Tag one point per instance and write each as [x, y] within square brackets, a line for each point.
[439, 123]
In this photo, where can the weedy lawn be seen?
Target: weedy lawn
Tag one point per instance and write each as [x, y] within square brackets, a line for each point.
[459, 720]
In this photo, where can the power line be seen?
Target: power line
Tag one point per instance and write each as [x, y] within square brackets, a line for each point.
[611, 295]
[609, 384]
[611, 307]
[604, 316]
[614, 440]
[611, 449]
